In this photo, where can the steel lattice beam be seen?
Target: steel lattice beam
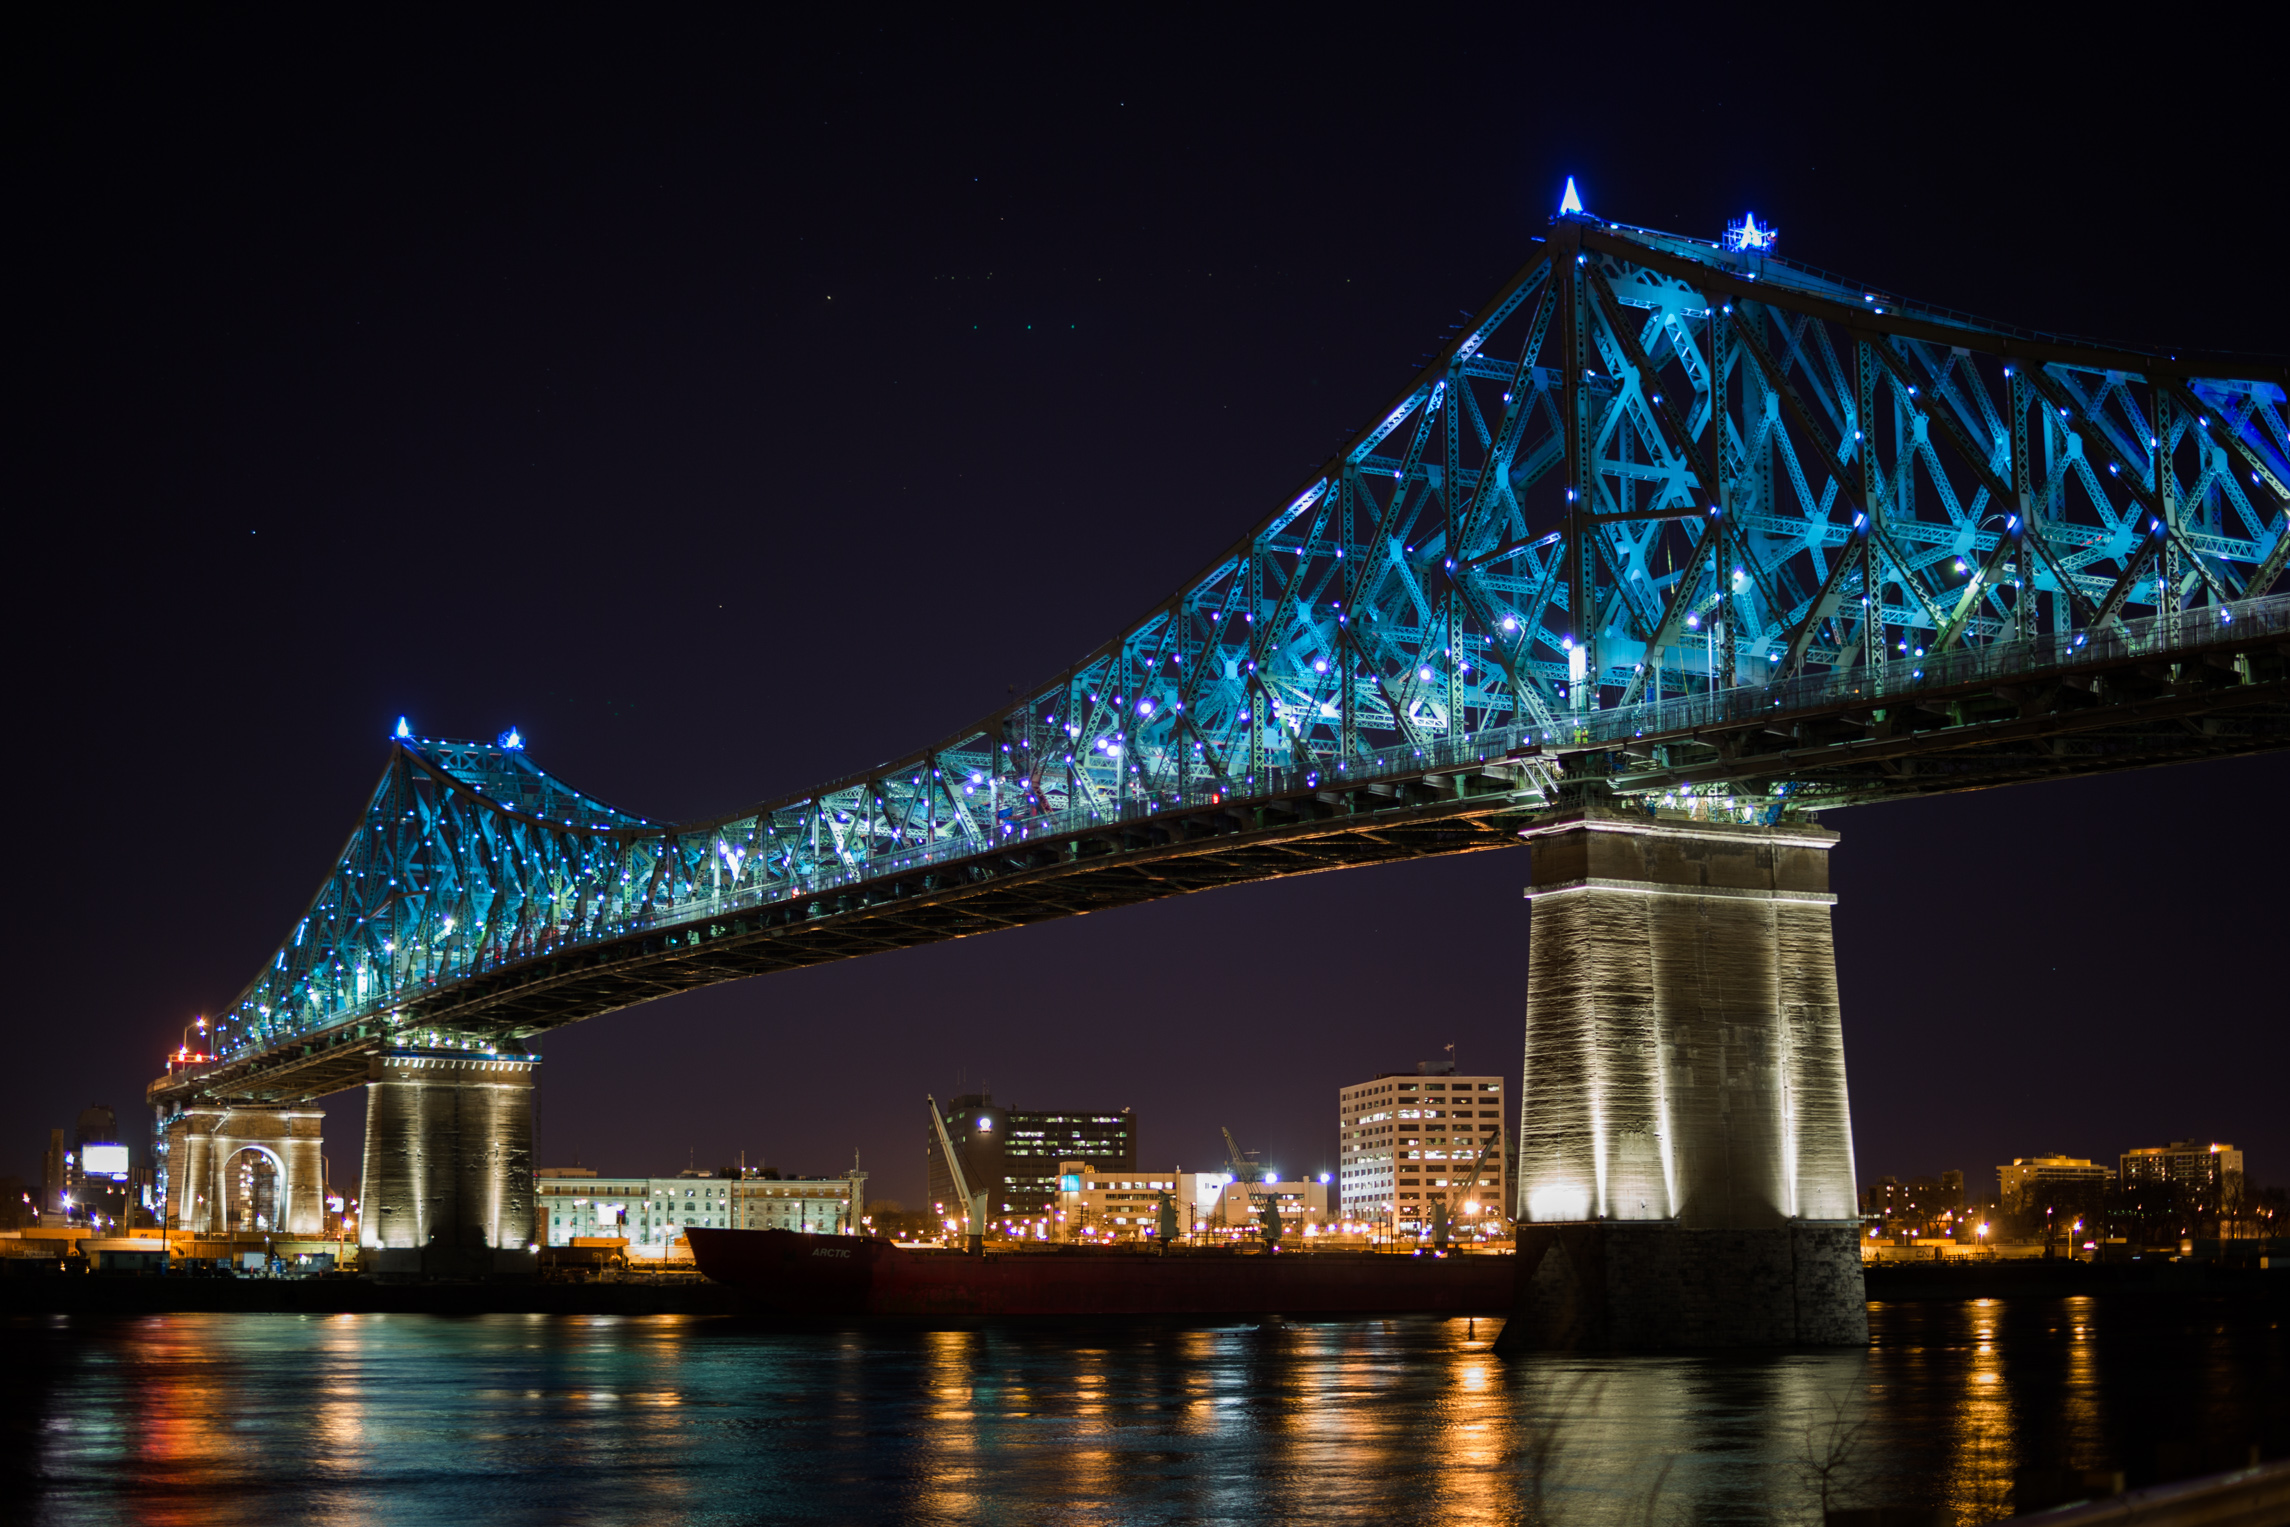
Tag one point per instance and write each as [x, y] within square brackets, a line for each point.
[1694, 491]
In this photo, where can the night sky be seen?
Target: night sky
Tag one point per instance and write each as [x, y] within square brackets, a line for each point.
[729, 408]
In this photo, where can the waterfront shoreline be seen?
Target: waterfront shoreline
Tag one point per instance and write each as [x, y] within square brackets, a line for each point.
[90, 1294]
[1907, 1282]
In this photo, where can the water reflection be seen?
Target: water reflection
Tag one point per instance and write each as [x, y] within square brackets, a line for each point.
[393, 1419]
[1977, 1480]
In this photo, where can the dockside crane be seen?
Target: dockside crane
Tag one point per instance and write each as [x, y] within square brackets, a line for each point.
[973, 1205]
[1244, 1168]
[1241, 1164]
[1440, 1220]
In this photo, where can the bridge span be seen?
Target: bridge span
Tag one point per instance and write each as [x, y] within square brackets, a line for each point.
[1674, 538]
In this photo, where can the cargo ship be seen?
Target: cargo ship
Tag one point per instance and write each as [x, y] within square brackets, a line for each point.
[792, 1273]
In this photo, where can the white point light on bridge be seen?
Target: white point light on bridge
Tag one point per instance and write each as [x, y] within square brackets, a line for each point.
[404, 729]
[1571, 201]
[1747, 236]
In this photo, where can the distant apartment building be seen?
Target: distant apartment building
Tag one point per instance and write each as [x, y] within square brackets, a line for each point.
[2063, 1186]
[2201, 1176]
[1012, 1155]
[1126, 1204]
[653, 1212]
[1918, 1201]
[1409, 1139]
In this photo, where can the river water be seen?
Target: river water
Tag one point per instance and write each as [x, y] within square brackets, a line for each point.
[545, 1419]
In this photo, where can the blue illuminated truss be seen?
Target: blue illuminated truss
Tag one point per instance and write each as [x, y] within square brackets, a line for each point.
[1656, 488]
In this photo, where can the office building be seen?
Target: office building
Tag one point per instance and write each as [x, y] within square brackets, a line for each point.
[1012, 1155]
[1409, 1139]
[652, 1213]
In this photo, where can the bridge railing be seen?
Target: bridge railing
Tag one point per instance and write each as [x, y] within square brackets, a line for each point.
[1910, 675]
[1916, 672]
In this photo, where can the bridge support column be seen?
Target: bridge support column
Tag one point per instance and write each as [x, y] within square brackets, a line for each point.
[1685, 1150]
[448, 1184]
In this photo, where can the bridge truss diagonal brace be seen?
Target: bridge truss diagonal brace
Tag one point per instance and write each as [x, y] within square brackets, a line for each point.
[2163, 526]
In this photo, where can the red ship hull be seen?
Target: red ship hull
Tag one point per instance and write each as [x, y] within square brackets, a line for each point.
[795, 1274]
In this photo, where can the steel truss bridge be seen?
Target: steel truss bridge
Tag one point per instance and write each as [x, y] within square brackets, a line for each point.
[1665, 519]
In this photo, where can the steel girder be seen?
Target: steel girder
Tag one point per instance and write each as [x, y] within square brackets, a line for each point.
[1659, 514]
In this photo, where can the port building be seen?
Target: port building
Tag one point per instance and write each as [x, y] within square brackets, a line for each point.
[652, 1213]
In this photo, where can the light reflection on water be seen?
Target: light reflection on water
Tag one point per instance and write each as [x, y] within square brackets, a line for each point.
[405, 1419]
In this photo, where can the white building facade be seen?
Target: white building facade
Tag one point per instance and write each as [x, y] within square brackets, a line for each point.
[1126, 1204]
[653, 1212]
[1412, 1138]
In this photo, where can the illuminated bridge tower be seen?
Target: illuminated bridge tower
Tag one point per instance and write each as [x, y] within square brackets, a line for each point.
[1685, 1149]
[234, 1169]
[448, 1183]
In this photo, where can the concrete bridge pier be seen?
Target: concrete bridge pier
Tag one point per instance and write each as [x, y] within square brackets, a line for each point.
[448, 1182]
[1685, 1149]
[243, 1169]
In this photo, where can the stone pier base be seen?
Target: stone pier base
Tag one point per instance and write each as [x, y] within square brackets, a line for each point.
[448, 1183]
[1627, 1287]
[1685, 1158]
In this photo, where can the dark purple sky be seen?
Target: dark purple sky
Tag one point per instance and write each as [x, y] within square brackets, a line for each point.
[732, 408]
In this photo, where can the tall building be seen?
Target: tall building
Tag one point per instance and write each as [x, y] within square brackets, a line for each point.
[652, 1212]
[2200, 1176]
[1410, 1139]
[1011, 1155]
[2183, 1161]
[98, 1170]
[98, 1125]
[2066, 1186]
[55, 1175]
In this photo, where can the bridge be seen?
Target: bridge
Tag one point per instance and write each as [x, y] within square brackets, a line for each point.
[1674, 542]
